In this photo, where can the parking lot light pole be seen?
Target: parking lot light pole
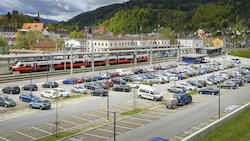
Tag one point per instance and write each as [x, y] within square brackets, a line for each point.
[219, 103]
[114, 112]
[108, 107]
[71, 64]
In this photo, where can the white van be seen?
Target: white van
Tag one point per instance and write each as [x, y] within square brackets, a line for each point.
[149, 92]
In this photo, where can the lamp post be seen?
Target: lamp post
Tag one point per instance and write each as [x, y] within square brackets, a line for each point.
[114, 112]
[219, 104]
[71, 64]
[92, 50]
[108, 107]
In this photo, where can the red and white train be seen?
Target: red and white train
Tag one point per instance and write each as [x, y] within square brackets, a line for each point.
[57, 64]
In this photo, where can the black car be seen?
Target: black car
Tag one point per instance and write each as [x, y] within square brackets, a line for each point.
[50, 85]
[99, 92]
[11, 90]
[127, 78]
[86, 79]
[102, 84]
[118, 80]
[7, 102]
[122, 88]
[30, 87]
[92, 86]
[138, 71]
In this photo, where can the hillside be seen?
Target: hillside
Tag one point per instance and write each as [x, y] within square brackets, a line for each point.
[179, 15]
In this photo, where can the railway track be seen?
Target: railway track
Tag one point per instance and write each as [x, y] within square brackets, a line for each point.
[36, 75]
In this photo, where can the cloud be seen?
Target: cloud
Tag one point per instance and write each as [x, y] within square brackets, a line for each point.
[61, 10]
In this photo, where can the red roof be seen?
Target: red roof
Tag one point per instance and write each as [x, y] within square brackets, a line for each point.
[33, 26]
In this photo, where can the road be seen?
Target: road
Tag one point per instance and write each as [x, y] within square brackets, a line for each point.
[177, 123]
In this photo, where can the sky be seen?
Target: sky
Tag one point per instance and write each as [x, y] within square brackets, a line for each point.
[60, 10]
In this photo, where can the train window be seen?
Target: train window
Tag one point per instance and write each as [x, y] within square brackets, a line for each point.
[78, 61]
[121, 58]
[112, 59]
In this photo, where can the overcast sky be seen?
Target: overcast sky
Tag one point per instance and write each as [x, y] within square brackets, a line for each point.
[61, 10]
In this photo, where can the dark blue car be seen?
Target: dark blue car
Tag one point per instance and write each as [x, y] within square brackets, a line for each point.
[28, 97]
[69, 81]
[183, 98]
[211, 91]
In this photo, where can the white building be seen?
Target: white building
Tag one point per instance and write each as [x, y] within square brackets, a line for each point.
[188, 46]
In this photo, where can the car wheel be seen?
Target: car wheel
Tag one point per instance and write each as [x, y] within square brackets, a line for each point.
[30, 106]
[42, 95]
[5, 105]
[41, 108]
[140, 96]
[231, 87]
[200, 92]
[154, 99]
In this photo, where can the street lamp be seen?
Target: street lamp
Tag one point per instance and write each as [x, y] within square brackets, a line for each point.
[108, 107]
[71, 64]
[92, 50]
[114, 112]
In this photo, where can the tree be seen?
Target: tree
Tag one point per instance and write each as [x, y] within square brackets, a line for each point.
[3, 45]
[75, 34]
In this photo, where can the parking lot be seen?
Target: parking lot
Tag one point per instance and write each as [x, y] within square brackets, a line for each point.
[95, 124]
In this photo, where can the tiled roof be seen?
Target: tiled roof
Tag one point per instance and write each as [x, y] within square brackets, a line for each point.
[33, 26]
[7, 29]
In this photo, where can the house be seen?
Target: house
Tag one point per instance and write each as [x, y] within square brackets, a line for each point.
[78, 45]
[217, 42]
[45, 46]
[35, 26]
[9, 34]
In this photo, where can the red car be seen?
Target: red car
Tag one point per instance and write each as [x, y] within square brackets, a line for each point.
[109, 83]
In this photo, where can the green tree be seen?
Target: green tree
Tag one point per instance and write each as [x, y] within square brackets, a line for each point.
[3, 45]
[24, 40]
[76, 34]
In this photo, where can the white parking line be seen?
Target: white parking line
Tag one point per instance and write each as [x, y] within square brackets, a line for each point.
[142, 119]
[25, 134]
[54, 125]
[96, 136]
[81, 118]
[140, 124]
[41, 130]
[4, 138]
[69, 122]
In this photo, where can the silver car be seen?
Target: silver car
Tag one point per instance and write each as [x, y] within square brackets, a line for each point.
[79, 89]
[228, 84]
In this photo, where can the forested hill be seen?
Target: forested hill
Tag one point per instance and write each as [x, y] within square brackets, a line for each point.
[147, 15]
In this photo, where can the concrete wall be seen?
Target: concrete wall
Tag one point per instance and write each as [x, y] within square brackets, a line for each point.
[211, 127]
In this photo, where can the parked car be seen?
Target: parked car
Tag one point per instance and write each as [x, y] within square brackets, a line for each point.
[50, 85]
[99, 92]
[109, 83]
[11, 89]
[69, 81]
[228, 84]
[50, 94]
[183, 98]
[6, 101]
[209, 90]
[238, 81]
[86, 79]
[138, 71]
[98, 77]
[194, 83]
[102, 84]
[122, 88]
[79, 89]
[40, 104]
[28, 97]
[92, 86]
[149, 92]
[147, 82]
[188, 87]
[30, 87]
[118, 80]
[62, 92]
[134, 84]
[175, 89]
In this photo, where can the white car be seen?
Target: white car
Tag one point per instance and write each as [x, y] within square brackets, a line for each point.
[62, 92]
[79, 89]
[50, 94]
[188, 86]
[134, 84]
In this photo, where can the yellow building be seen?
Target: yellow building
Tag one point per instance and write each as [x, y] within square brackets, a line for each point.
[217, 42]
